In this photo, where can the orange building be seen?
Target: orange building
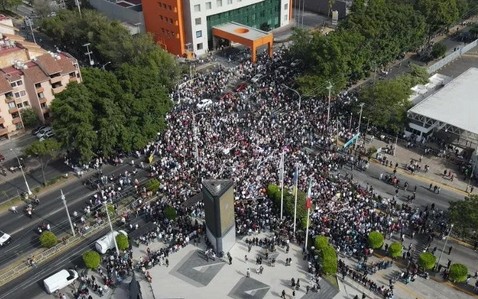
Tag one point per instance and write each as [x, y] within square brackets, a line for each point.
[185, 27]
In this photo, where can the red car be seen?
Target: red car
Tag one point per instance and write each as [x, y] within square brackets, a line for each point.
[240, 87]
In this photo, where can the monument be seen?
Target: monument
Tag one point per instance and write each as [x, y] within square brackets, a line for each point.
[218, 197]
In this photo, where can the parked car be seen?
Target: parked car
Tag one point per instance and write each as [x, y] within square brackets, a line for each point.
[4, 238]
[43, 132]
[204, 103]
[38, 129]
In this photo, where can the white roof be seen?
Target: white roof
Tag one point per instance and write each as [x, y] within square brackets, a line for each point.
[455, 104]
[243, 31]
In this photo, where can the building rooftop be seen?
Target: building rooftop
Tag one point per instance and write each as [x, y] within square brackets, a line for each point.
[217, 187]
[242, 31]
[455, 103]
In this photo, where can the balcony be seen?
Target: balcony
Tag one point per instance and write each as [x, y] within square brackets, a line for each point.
[55, 79]
[16, 120]
[42, 100]
[73, 79]
[3, 131]
[58, 89]
[12, 110]
[9, 99]
[2, 120]
[39, 89]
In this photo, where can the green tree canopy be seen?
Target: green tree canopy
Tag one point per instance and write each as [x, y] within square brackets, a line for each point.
[29, 118]
[153, 185]
[122, 241]
[321, 242]
[458, 273]
[48, 239]
[375, 239]
[170, 213]
[464, 215]
[395, 249]
[92, 259]
[427, 260]
[438, 50]
[328, 258]
[44, 151]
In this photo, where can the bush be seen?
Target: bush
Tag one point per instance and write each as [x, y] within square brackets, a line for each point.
[395, 249]
[48, 239]
[329, 260]
[438, 50]
[92, 259]
[458, 273]
[375, 239]
[153, 185]
[427, 260]
[321, 242]
[170, 213]
[122, 242]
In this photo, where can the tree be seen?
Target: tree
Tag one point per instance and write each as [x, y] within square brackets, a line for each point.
[44, 151]
[48, 239]
[30, 118]
[321, 242]
[464, 215]
[439, 14]
[92, 259]
[43, 8]
[427, 260]
[438, 50]
[386, 103]
[375, 239]
[395, 249]
[7, 4]
[153, 185]
[122, 241]
[328, 257]
[458, 273]
[170, 213]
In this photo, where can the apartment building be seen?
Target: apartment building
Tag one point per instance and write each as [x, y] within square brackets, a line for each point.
[30, 81]
[184, 27]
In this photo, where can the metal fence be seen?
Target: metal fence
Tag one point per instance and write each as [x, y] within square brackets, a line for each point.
[451, 57]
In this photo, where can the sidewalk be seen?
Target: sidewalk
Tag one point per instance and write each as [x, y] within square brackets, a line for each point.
[437, 165]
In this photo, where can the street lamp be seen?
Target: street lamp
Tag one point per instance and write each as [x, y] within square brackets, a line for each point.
[444, 245]
[195, 138]
[88, 53]
[360, 122]
[300, 98]
[111, 227]
[23, 173]
[104, 65]
[67, 212]
[329, 88]
[471, 175]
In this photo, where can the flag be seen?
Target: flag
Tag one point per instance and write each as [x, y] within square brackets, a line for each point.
[308, 201]
[296, 178]
[281, 170]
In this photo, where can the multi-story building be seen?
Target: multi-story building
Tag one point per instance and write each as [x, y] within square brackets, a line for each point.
[28, 80]
[185, 26]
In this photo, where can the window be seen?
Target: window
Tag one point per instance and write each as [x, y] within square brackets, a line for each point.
[17, 94]
[169, 7]
[199, 46]
[219, 3]
[208, 5]
[197, 7]
[26, 104]
[199, 33]
[22, 93]
[161, 17]
[286, 6]
[41, 95]
[19, 105]
[37, 85]
[197, 21]
[13, 84]
[11, 105]
[20, 82]
[229, 1]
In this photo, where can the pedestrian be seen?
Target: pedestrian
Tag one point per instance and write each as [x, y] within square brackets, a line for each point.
[248, 272]
[307, 289]
[449, 250]
[245, 258]
[230, 260]
[431, 186]
[293, 294]
[283, 294]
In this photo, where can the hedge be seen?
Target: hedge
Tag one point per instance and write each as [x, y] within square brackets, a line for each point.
[92, 259]
[122, 241]
[153, 185]
[458, 273]
[427, 260]
[329, 260]
[375, 239]
[170, 213]
[48, 239]
[395, 249]
[321, 242]
[274, 193]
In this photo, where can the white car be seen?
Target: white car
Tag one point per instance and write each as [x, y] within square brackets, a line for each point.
[43, 132]
[4, 238]
[204, 103]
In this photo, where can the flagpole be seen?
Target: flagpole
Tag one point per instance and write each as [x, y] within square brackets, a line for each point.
[282, 187]
[308, 206]
[295, 199]
[307, 229]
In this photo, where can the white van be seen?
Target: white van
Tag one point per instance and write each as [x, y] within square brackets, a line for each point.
[107, 242]
[60, 280]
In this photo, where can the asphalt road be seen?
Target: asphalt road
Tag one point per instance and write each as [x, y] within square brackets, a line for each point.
[423, 195]
[24, 231]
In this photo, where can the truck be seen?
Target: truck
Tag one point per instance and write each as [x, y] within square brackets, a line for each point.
[107, 242]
